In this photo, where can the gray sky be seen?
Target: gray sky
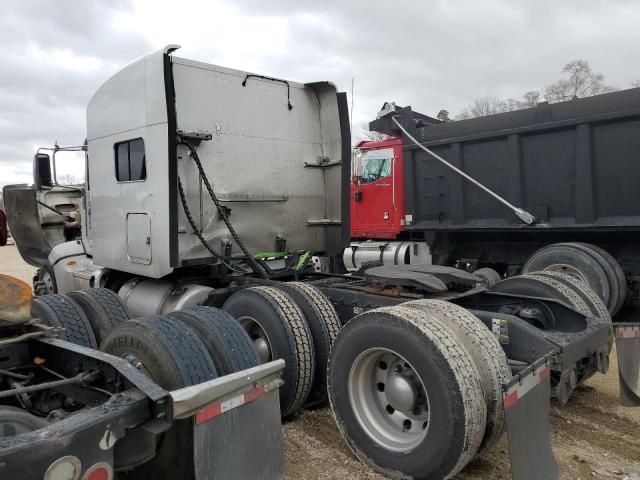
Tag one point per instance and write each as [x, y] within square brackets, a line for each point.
[428, 54]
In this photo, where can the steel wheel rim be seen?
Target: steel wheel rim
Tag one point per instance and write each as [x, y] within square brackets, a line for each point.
[259, 337]
[47, 281]
[389, 399]
[568, 270]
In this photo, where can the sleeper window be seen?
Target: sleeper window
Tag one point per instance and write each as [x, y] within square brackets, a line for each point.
[130, 161]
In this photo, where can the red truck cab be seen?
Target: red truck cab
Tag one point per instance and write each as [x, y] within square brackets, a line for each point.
[377, 200]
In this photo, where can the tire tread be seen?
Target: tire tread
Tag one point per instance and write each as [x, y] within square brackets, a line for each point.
[62, 311]
[487, 353]
[103, 308]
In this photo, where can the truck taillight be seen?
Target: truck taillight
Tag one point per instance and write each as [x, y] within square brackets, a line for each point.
[65, 468]
[100, 471]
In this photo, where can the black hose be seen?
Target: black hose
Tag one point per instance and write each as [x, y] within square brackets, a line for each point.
[221, 212]
[194, 227]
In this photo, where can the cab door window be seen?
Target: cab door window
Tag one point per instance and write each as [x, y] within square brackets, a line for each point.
[376, 166]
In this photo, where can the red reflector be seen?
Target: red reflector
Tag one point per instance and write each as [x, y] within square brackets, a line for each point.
[100, 471]
[208, 413]
[544, 374]
[511, 399]
[253, 394]
[98, 474]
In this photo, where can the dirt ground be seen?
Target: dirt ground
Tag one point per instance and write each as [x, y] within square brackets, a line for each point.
[593, 437]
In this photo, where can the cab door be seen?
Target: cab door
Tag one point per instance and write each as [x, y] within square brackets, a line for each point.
[373, 191]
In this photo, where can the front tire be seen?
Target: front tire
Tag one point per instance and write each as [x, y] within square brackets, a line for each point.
[44, 281]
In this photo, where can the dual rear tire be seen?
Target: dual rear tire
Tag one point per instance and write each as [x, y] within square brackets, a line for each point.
[408, 395]
[587, 263]
[184, 348]
[86, 316]
[295, 322]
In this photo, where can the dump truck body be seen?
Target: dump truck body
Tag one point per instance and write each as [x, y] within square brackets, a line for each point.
[572, 166]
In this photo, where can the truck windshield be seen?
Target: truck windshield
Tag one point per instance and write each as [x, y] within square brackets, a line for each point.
[376, 165]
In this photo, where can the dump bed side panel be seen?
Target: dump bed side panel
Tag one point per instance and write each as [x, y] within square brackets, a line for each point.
[572, 165]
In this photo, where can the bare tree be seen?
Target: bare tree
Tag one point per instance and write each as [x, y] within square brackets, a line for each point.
[67, 179]
[443, 116]
[636, 83]
[582, 82]
[484, 106]
[531, 98]
[370, 134]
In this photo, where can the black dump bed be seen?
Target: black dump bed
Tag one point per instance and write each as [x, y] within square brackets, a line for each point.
[573, 165]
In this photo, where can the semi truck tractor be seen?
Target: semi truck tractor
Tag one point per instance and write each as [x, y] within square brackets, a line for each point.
[229, 191]
[551, 188]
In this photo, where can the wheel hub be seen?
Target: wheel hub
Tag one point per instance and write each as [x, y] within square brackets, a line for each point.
[259, 338]
[262, 347]
[389, 399]
[401, 393]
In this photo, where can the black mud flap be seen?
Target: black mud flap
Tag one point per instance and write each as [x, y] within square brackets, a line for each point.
[527, 404]
[240, 438]
[628, 349]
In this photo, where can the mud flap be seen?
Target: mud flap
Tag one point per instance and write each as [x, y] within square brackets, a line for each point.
[628, 350]
[527, 404]
[237, 432]
[243, 443]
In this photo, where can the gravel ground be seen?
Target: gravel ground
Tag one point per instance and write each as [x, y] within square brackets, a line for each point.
[593, 437]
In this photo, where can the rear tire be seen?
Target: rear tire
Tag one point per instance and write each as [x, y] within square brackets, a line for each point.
[62, 311]
[617, 272]
[489, 275]
[278, 329]
[227, 342]
[581, 262]
[487, 353]
[173, 356]
[418, 350]
[103, 308]
[591, 298]
[324, 324]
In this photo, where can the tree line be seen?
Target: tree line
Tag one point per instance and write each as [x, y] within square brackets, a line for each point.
[578, 81]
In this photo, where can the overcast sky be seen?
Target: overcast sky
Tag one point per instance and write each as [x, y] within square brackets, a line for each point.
[428, 54]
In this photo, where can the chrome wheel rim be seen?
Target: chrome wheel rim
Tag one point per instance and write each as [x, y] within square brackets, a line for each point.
[259, 338]
[389, 399]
